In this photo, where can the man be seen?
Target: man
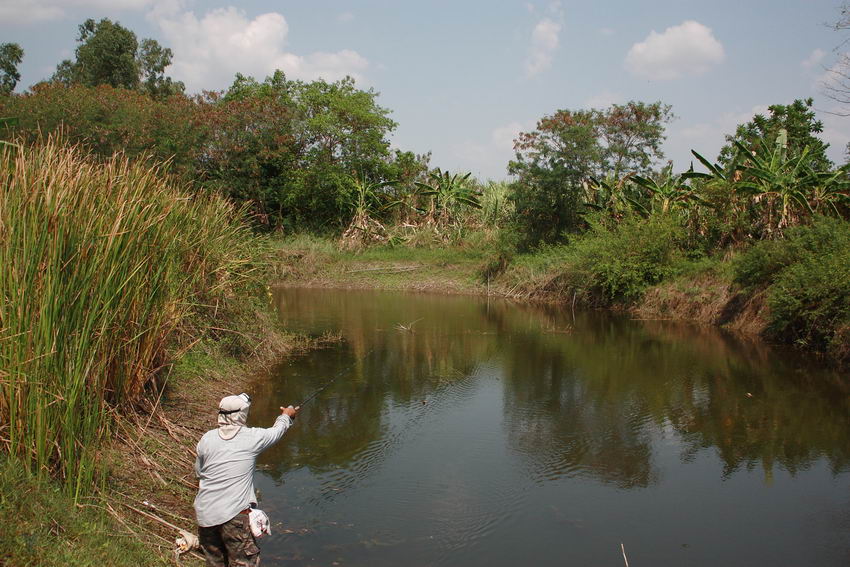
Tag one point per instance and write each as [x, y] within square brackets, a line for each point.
[225, 469]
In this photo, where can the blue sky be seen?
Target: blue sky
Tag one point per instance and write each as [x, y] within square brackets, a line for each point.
[462, 78]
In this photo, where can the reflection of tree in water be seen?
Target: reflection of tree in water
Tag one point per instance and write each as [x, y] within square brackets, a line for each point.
[556, 418]
[589, 402]
[345, 427]
[609, 382]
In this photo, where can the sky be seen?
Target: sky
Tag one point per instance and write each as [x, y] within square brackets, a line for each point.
[462, 78]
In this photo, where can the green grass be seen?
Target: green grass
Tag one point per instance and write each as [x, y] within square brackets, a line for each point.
[43, 527]
[311, 260]
[103, 268]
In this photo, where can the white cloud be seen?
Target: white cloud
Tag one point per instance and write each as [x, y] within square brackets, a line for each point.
[345, 17]
[22, 12]
[814, 58]
[607, 32]
[209, 50]
[544, 42]
[687, 49]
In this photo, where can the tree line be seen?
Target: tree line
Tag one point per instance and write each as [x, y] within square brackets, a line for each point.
[316, 155]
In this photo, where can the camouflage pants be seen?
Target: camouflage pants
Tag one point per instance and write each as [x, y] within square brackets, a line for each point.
[230, 544]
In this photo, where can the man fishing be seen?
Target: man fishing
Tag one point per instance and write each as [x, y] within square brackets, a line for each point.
[225, 469]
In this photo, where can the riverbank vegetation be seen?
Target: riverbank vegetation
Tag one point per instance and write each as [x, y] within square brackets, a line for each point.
[139, 225]
[110, 271]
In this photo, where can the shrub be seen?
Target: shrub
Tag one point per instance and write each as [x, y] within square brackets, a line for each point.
[810, 298]
[618, 264]
[759, 265]
[807, 277]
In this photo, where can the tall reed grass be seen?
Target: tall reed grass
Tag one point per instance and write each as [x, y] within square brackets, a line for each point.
[100, 263]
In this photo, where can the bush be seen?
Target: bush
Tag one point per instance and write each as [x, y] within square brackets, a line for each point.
[810, 298]
[759, 265]
[618, 264]
[808, 281]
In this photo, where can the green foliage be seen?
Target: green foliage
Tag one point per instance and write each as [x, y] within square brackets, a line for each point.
[107, 120]
[797, 119]
[287, 148]
[618, 264]
[101, 265]
[110, 54]
[807, 277]
[153, 59]
[496, 206]
[667, 192]
[11, 56]
[447, 194]
[569, 148]
[290, 148]
[785, 187]
[42, 527]
[759, 265]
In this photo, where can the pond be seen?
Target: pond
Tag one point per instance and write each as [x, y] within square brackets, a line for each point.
[463, 431]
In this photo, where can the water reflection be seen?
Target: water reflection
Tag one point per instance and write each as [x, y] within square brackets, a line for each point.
[582, 396]
[454, 421]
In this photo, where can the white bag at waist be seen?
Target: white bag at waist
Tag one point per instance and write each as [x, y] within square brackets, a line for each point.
[260, 524]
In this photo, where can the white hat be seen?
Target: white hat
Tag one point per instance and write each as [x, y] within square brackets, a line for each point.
[232, 415]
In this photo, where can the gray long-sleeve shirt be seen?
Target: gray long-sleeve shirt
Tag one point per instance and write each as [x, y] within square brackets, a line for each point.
[225, 469]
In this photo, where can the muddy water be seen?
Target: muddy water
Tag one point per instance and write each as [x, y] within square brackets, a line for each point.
[473, 433]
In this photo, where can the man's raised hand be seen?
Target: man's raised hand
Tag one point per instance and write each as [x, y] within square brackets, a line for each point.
[290, 411]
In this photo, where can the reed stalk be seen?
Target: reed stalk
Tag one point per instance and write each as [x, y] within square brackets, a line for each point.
[100, 264]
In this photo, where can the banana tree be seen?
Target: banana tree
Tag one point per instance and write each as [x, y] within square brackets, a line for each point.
[367, 201]
[668, 192]
[447, 194]
[782, 184]
[609, 194]
[831, 192]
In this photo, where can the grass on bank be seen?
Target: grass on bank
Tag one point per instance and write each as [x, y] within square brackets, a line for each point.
[104, 266]
[311, 260]
[794, 290]
[42, 526]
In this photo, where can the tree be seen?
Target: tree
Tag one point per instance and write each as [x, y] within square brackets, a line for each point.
[632, 135]
[153, 59]
[110, 54]
[107, 55]
[837, 85]
[796, 119]
[555, 162]
[11, 56]
[107, 120]
[293, 149]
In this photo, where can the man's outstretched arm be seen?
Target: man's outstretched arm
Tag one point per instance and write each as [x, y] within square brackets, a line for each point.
[273, 434]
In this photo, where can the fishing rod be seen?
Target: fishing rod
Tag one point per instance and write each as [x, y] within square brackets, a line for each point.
[332, 380]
